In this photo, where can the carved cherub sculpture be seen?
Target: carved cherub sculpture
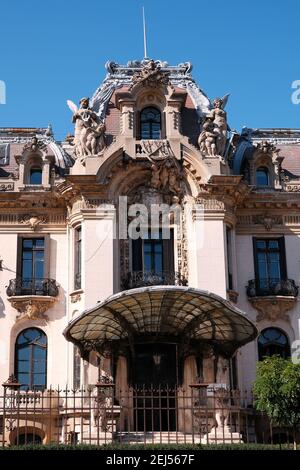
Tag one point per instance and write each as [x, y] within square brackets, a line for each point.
[89, 130]
[207, 139]
[219, 117]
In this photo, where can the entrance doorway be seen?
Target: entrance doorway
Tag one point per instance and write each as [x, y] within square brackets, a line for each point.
[155, 381]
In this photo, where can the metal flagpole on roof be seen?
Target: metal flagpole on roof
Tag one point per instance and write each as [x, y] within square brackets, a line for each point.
[145, 36]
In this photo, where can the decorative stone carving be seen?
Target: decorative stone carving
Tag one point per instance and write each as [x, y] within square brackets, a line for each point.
[35, 145]
[267, 220]
[33, 220]
[233, 296]
[211, 204]
[207, 139]
[154, 150]
[7, 186]
[273, 308]
[150, 75]
[166, 177]
[31, 307]
[212, 140]
[89, 136]
[75, 297]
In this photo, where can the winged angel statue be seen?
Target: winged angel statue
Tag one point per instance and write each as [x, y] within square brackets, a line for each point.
[89, 130]
[212, 140]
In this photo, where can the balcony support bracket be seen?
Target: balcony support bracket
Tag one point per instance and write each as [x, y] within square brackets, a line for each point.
[273, 308]
[31, 306]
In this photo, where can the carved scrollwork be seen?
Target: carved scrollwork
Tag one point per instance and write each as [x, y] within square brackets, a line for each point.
[33, 220]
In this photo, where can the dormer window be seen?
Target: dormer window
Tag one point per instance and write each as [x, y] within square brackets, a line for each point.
[262, 176]
[150, 124]
[35, 175]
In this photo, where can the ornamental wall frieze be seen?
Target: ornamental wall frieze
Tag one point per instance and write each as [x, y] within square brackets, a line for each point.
[211, 204]
[32, 220]
[7, 186]
[268, 221]
[295, 188]
[31, 202]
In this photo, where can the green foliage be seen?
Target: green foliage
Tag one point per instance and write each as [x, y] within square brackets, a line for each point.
[277, 390]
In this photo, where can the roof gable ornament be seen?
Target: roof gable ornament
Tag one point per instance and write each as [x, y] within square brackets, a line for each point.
[150, 75]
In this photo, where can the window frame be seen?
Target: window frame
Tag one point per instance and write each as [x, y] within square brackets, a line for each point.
[35, 168]
[287, 347]
[282, 257]
[267, 173]
[78, 257]
[30, 372]
[140, 123]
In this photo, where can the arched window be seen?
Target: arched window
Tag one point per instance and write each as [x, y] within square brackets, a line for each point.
[28, 439]
[271, 342]
[150, 123]
[35, 175]
[31, 359]
[262, 176]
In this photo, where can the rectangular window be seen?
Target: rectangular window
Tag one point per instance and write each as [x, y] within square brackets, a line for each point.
[78, 247]
[270, 263]
[229, 258]
[153, 255]
[32, 266]
[76, 368]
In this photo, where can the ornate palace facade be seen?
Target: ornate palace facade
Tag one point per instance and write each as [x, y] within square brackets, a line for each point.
[102, 299]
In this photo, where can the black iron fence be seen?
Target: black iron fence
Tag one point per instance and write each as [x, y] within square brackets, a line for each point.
[32, 286]
[272, 286]
[103, 414]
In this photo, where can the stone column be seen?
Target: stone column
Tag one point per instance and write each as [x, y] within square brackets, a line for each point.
[98, 254]
[206, 248]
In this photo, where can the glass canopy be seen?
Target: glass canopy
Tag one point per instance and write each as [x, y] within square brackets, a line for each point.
[183, 313]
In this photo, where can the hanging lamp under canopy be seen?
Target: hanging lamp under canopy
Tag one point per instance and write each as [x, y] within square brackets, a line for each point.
[186, 314]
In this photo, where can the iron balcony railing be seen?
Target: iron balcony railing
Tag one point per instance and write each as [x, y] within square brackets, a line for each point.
[136, 279]
[272, 286]
[30, 286]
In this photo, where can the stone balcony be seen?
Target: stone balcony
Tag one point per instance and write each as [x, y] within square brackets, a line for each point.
[32, 297]
[135, 279]
[272, 298]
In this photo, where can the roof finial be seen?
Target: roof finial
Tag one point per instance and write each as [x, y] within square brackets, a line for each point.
[145, 36]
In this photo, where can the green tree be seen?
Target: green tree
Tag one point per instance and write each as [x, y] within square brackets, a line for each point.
[277, 391]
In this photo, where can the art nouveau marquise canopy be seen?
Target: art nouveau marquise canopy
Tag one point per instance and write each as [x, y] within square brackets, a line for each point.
[185, 314]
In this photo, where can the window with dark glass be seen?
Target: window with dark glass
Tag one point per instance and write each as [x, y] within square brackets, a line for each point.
[76, 368]
[31, 359]
[270, 264]
[229, 258]
[154, 254]
[271, 342]
[262, 176]
[35, 176]
[32, 265]
[78, 247]
[150, 123]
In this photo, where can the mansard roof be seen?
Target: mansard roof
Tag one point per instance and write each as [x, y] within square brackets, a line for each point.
[13, 139]
[121, 76]
[287, 141]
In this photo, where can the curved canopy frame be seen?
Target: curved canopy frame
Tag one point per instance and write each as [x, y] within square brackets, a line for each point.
[183, 313]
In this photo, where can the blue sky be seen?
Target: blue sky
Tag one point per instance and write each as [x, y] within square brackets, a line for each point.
[56, 50]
